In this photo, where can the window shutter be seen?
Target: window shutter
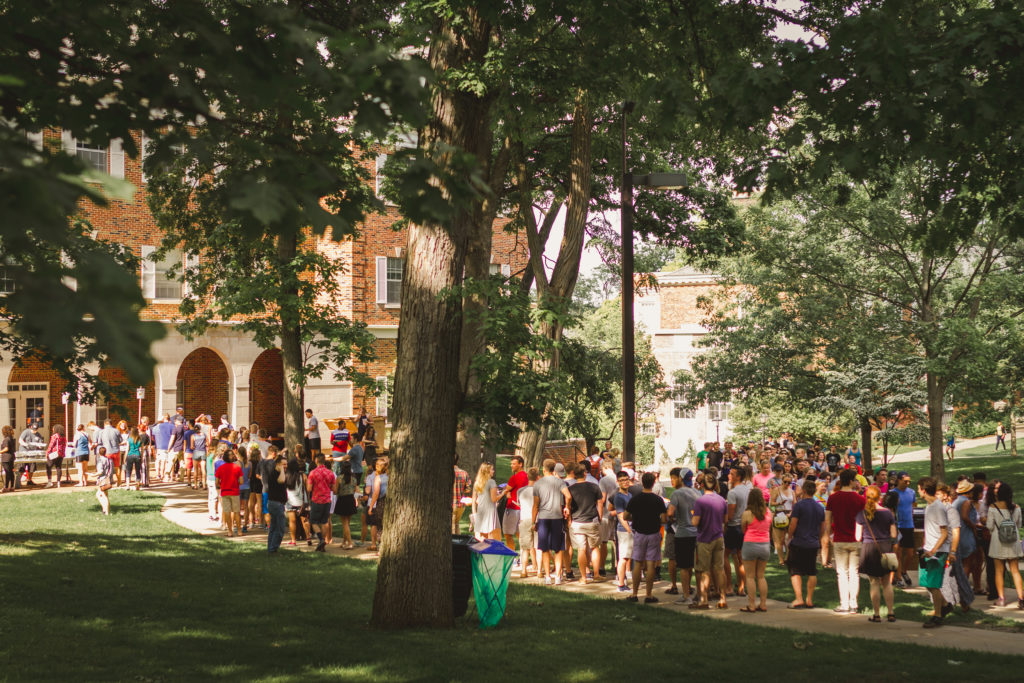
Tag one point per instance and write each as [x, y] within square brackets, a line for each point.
[148, 273]
[382, 279]
[116, 158]
[67, 140]
[506, 269]
[36, 139]
[191, 263]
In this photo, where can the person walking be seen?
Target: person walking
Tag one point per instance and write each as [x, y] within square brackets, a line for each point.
[55, 454]
[645, 513]
[81, 449]
[320, 484]
[229, 481]
[756, 523]
[104, 479]
[841, 517]
[876, 527]
[709, 514]
[377, 491]
[1000, 436]
[133, 458]
[1004, 520]
[935, 550]
[345, 503]
[782, 500]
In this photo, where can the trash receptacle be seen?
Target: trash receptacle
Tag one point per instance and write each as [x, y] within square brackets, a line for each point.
[462, 573]
[492, 564]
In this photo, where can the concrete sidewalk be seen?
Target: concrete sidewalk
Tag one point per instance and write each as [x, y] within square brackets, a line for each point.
[187, 508]
[961, 445]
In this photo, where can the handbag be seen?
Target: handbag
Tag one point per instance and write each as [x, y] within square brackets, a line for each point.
[889, 561]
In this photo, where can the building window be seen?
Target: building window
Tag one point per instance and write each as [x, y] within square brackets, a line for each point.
[8, 284]
[168, 286]
[648, 428]
[679, 409]
[94, 156]
[179, 392]
[383, 397]
[719, 410]
[394, 280]
[102, 410]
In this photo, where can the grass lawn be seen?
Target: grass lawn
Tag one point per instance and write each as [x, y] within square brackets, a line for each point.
[980, 459]
[134, 597]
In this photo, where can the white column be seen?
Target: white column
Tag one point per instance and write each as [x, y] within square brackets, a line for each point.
[238, 394]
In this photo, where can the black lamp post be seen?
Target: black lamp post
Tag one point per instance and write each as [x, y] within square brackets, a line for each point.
[657, 181]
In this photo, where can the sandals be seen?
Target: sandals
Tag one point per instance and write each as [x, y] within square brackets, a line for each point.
[875, 619]
[672, 591]
[891, 618]
[747, 610]
[761, 609]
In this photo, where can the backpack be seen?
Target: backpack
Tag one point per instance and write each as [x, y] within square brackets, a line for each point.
[1007, 529]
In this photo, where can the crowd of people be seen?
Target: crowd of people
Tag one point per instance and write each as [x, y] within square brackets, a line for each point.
[250, 482]
[809, 506]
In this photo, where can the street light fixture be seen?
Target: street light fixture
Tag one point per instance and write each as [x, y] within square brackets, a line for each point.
[655, 181]
[718, 424]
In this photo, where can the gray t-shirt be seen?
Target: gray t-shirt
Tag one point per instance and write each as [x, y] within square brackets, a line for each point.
[355, 458]
[683, 500]
[548, 490]
[110, 439]
[935, 518]
[609, 485]
[738, 496]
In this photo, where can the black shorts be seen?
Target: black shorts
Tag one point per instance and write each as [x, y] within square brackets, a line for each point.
[312, 445]
[907, 538]
[802, 561]
[319, 513]
[686, 550]
[733, 538]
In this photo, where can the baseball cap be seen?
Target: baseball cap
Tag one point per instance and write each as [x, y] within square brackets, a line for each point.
[560, 470]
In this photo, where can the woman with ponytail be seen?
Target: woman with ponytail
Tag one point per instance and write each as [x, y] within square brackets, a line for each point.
[876, 530]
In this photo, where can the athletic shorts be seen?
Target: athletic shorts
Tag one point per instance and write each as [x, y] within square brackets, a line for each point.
[510, 522]
[625, 539]
[230, 504]
[646, 547]
[933, 570]
[312, 444]
[319, 513]
[585, 535]
[266, 498]
[82, 458]
[527, 536]
[907, 538]
[733, 538]
[550, 535]
[802, 561]
[755, 551]
[710, 555]
[668, 549]
[686, 551]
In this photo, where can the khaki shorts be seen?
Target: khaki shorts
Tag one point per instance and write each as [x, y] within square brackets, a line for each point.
[527, 536]
[710, 555]
[585, 535]
[608, 529]
[625, 544]
[230, 504]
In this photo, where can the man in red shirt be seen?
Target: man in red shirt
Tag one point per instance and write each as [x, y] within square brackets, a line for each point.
[841, 517]
[229, 480]
[320, 483]
[510, 522]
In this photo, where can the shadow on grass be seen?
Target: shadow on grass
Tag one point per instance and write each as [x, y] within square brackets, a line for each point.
[135, 597]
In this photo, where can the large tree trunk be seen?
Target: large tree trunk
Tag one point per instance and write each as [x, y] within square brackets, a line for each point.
[291, 350]
[1011, 423]
[936, 396]
[414, 574]
[865, 442]
[532, 442]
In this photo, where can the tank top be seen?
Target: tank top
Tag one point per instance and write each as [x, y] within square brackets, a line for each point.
[134, 447]
[759, 531]
[246, 470]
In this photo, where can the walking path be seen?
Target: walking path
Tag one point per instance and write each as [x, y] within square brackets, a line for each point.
[925, 454]
[187, 508]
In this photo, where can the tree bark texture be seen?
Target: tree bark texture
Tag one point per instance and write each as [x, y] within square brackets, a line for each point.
[936, 396]
[1011, 424]
[414, 574]
[865, 442]
[291, 350]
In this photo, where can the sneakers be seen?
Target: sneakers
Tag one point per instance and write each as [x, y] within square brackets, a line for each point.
[934, 622]
[623, 589]
[907, 583]
[558, 580]
[548, 580]
[946, 609]
[569, 576]
[321, 547]
[652, 599]
[898, 583]
[517, 564]
[682, 600]
[602, 573]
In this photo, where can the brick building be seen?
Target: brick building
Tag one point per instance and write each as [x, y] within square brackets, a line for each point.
[224, 372]
[671, 316]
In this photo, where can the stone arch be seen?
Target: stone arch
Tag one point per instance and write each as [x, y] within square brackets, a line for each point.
[203, 384]
[266, 392]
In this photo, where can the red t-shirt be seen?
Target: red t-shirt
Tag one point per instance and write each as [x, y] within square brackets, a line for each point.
[844, 506]
[322, 480]
[228, 475]
[516, 481]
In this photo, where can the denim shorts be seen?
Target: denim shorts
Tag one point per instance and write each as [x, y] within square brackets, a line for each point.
[244, 494]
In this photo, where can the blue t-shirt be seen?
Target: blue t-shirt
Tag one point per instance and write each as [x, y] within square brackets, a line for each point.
[809, 515]
[620, 501]
[82, 445]
[188, 440]
[905, 508]
[162, 435]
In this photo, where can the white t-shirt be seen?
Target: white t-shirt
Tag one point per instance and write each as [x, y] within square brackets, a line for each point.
[934, 519]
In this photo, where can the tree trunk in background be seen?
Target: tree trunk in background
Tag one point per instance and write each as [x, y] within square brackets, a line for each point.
[865, 442]
[936, 394]
[1012, 424]
[291, 350]
[414, 574]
